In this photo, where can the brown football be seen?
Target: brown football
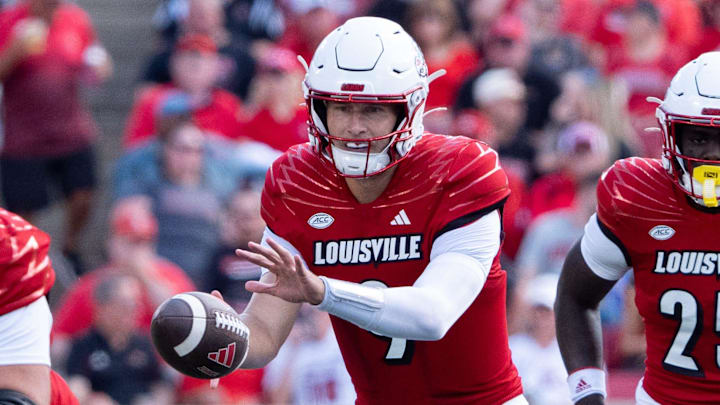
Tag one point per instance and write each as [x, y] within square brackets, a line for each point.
[199, 335]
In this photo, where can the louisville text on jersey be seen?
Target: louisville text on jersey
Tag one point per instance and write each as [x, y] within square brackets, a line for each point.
[385, 249]
[687, 262]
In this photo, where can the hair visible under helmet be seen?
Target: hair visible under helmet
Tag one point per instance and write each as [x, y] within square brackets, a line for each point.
[367, 60]
[693, 98]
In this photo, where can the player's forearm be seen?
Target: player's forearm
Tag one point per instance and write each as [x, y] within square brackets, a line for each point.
[269, 320]
[579, 334]
[577, 320]
[424, 311]
[263, 346]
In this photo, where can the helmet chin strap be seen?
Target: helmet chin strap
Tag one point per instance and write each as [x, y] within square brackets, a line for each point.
[355, 163]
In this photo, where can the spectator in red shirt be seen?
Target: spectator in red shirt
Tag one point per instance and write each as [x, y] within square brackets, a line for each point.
[645, 62]
[497, 119]
[508, 46]
[482, 15]
[710, 38]
[680, 19]
[206, 17]
[60, 393]
[435, 24]
[308, 27]
[194, 68]
[278, 119]
[582, 149]
[132, 251]
[48, 50]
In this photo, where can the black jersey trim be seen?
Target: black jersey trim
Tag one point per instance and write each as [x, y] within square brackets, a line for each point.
[605, 230]
[469, 218]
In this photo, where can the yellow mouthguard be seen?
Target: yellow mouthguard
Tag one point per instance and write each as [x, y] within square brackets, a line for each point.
[709, 176]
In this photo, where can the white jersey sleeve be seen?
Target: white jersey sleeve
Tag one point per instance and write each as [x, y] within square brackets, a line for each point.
[601, 254]
[282, 242]
[460, 262]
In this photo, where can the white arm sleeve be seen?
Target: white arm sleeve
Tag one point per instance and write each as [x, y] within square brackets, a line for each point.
[601, 254]
[282, 242]
[460, 261]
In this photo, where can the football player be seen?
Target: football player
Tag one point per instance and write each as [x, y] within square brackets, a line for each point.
[659, 217]
[26, 276]
[394, 232]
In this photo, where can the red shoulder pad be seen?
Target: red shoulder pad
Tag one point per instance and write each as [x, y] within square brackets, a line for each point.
[636, 189]
[299, 178]
[474, 183]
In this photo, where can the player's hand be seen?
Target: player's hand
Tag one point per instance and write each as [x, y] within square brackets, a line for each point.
[29, 37]
[217, 294]
[293, 282]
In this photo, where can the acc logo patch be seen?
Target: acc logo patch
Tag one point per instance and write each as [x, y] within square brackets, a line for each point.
[662, 232]
[321, 220]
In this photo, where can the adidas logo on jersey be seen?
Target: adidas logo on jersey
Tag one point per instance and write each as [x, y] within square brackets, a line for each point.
[387, 249]
[581, 386]
[687, 262]
[400, 219]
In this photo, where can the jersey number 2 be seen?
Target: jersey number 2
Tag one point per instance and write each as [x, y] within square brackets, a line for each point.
[400, 351]
[683, 307]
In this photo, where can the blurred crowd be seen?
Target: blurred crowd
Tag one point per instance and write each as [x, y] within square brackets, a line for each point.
[557, 87]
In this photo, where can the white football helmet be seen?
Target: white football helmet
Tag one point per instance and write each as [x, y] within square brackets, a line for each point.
[367, 60]
[693, 98]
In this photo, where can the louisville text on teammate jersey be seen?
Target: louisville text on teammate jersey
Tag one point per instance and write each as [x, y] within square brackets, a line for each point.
[384, 249]
[687, 262]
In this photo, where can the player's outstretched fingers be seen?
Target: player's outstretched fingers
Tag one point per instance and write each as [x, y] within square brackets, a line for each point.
[299, 266]
[285, 256]
[255, 258]
[259, 287]
[269, 253]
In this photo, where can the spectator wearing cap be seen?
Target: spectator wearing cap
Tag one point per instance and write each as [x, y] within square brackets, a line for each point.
[481, 15]
[206, 17]
[131, 251]
[535, 351]
[582, 150]
[507, 46]
[114, 362]
[275, 103]
[497, 117]
[194, 68]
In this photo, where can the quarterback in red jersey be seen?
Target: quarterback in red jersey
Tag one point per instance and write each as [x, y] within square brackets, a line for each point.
[25, 320]
[660, 218]
[393, 232]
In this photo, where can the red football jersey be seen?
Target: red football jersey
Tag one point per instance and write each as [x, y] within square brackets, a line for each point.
[673, 250]
[60, 393]
[445, 183]
[25, 270]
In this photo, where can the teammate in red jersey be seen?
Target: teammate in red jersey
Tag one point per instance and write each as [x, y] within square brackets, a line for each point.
[26, 275]
[660, 218]
[393, 232]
